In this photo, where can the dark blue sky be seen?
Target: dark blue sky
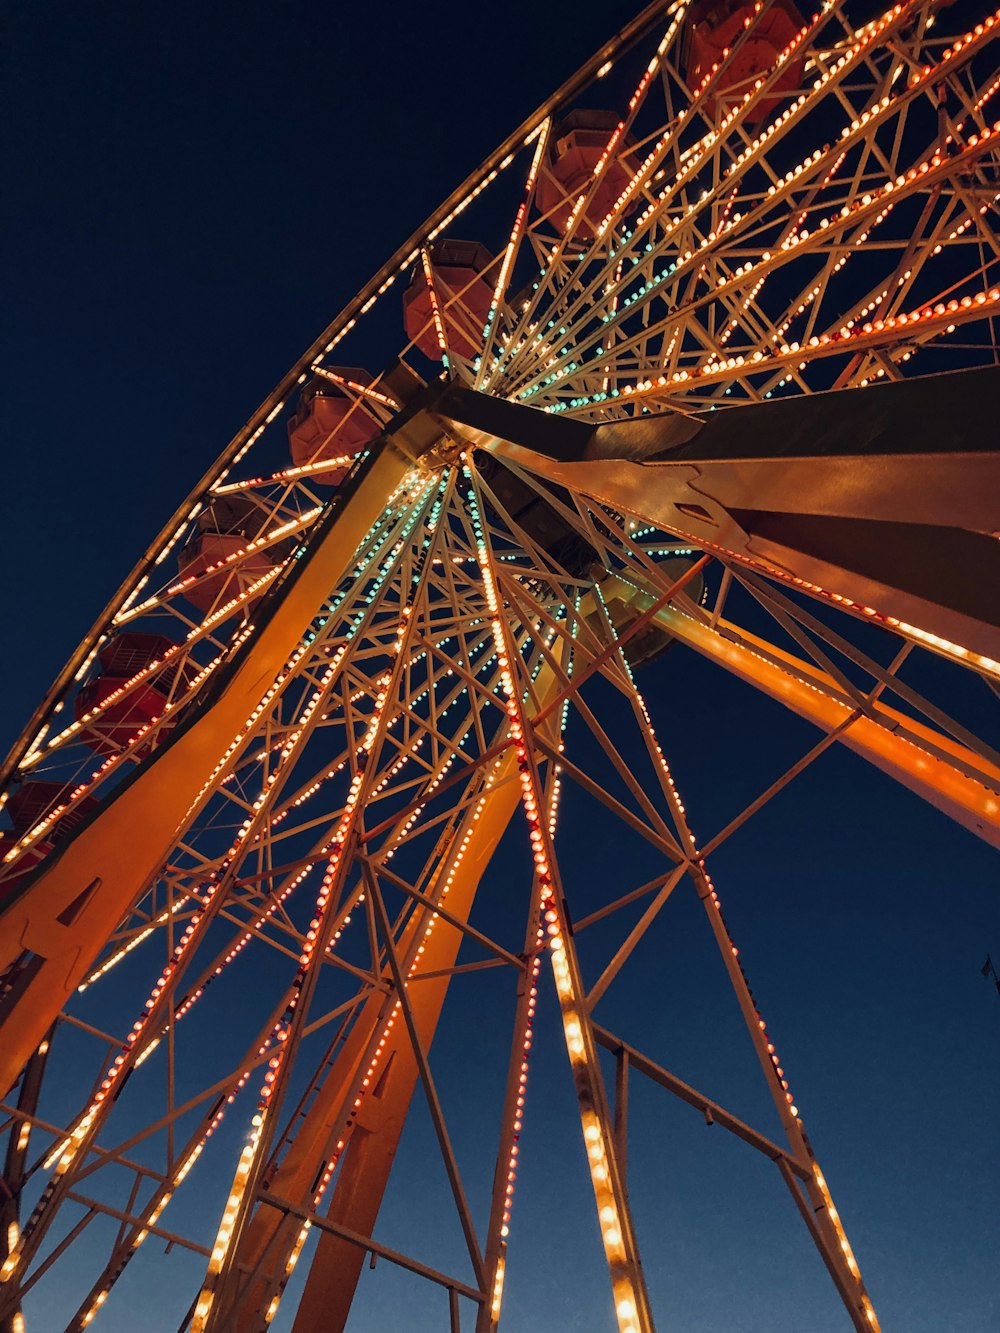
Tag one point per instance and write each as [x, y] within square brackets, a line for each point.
[190, 193]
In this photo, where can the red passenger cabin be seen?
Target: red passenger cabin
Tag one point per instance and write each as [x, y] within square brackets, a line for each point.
[212, 560]
[464, 291]
[715, 26]
[29, 803]
[36, 798]
[330, 422]
[121, 659]
[578, 142]
[12, 873]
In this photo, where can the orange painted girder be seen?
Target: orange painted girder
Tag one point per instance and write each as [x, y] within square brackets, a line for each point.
[901, 746]
[95, 877]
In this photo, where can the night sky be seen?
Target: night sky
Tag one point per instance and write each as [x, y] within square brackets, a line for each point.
[191, 193]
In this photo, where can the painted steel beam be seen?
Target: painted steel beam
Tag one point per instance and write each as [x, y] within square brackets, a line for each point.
[961, 784]
[886, 500]
[55, 923]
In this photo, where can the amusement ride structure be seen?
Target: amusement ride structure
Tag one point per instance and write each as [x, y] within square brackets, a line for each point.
[715, 374]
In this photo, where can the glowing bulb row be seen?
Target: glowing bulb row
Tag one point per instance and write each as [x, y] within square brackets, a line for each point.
[597, 1148]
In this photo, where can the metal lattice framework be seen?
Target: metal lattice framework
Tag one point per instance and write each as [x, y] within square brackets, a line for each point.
[245, 860]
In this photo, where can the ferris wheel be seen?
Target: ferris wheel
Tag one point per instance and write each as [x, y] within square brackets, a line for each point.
[701, 360]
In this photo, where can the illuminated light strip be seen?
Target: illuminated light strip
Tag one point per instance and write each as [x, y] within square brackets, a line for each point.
[425, 261]
[306, 470]
[845, 1244]
[599, 1150]
[167, 1190]
[991, 89]
[85, 665]
[614, 307]
[496, 1297]
[364, 390]
[514, 241]
[244, 449]
[133, 943]
[633, 105]
[132, 595]
[938, 644]
[965, 224]
[464, 203]
[882, 332]
[527, 1037]
[237, 948]
[967, 39]
[178, 533]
